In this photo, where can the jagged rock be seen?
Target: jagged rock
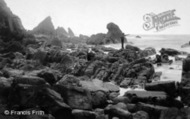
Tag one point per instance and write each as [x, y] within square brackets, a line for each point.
[60, 31]
[10, 24]
[82, 114]
[45, 27]
[70, 33]
[141, 115]
[167, 86]
[154, 111]
[169, 51]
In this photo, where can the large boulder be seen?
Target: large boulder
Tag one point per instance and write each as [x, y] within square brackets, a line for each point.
[169, 51]
[167, 86]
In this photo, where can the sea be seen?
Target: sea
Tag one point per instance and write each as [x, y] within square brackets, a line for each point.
[169, 72]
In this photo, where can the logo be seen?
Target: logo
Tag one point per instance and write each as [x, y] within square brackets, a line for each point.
[160, 21]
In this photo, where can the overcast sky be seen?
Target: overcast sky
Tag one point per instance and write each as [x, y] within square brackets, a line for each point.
[91, 16]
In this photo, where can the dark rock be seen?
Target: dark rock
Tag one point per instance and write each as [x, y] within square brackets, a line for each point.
[154, 111]
[74, 94]
[169, 51]
[133, 48]
[132, 107]
[121, 99]
[141, 115]
[51, 76]
[83, 114]
[185, 95]
[185, 113]
[116, 111]
[113, 95]
[99, 99]
[114, 33]
[171, 113]
[31, 80]
[167, 86]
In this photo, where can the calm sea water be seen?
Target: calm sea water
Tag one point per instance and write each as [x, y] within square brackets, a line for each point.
[158, 42]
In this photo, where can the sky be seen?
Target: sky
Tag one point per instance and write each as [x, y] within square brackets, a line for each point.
[91, 16]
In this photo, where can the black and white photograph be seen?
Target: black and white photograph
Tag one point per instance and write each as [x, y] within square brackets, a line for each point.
[94, 59]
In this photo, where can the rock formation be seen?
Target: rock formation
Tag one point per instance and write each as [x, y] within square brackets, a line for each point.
[70, 33]
[60, 31]
[45, 27]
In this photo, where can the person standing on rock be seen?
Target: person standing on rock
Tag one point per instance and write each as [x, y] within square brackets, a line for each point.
[122, 40]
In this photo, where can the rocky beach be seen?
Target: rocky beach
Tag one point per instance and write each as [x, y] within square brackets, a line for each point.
[49, 73]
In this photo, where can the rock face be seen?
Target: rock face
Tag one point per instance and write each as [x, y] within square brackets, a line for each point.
[97, 39]
[10, 24]
[45, 27]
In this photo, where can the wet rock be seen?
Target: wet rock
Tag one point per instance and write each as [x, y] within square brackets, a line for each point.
[133, 48]
[154, 111]
[169, 51]
[126, 82]
[157, 76]
[147, 52]
[74, 94]
[171, 113]
[117, 111]
[31, 80]
[99, 99]
[167, 86]
[121, 99]
[132, 107]
[83, 114]
[141, 115]
[51, 76]
[185, 95]
[113, 95]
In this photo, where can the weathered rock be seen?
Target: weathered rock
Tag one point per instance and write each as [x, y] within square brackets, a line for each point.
[132, 107]
[99, 99]
[133, 48]
[169, 51]
[121, 99]
[31, 80]
[74, 94]
[185, 95]
[116, 111]
[167, 86]
[51, 76]
[141, 115]
[83, 114]
[171, 113]
[154, 111]
[147, 52]
[153, 97]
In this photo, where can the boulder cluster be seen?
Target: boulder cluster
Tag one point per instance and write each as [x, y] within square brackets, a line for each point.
[82, 82]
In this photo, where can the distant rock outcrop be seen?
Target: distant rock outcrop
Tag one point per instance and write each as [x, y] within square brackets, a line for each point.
[60, 31]
[114, 33]
[10, 24]
[97, 39]
[45, 27]
[70, 33]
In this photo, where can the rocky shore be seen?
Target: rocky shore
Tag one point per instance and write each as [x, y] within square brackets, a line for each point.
[79, 81]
